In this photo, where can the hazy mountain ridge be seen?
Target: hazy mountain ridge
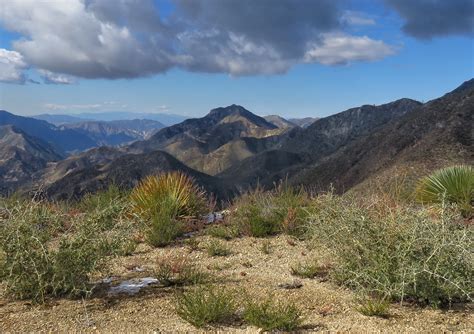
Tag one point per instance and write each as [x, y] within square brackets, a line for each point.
[66, 140]
[108, 116]
[116, 132]
[242, 149]
[80, 136]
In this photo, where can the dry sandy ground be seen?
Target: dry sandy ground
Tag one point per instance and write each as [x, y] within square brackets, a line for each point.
[326, 307]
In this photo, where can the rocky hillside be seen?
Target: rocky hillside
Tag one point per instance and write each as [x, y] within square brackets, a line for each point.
[303, 147]
[215, 142]
[279, 121]
[125, 171]
[241, 149]
[21, 156]
[436, 134]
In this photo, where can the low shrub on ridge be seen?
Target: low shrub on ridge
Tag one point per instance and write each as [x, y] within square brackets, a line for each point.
[400, 253]
[164, 202]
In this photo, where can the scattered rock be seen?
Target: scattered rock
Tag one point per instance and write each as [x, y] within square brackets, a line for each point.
[132, 286]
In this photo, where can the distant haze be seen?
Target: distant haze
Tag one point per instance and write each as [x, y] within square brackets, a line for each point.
[166, 119]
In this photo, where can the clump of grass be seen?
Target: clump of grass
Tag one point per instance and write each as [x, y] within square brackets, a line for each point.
[43, 259]
[192, 244]
[266, 247]
[206, 306]
[452, 184]
[217, 248]
[179, 271]
[270, 315]
[223, 232]
[164, 203]
[164, 227]
[175, 190]
[374, 308]
[111, 198]
[402, 252]
[262, 214]
[310, 269]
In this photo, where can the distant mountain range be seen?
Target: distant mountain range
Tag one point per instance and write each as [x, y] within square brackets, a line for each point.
[116, 132]
[231, 149]
[63, 140]
[80, 136]
[57, 119]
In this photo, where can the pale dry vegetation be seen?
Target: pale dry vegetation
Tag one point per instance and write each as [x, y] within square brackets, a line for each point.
[393, 256]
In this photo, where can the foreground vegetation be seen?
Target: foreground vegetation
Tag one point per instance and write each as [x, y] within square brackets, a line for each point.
[384, 249]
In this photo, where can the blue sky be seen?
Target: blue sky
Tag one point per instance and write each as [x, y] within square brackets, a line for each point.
[394, 60]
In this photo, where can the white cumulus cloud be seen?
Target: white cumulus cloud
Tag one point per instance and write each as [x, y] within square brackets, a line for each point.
[12, 66]
[69, 39]
[342, 49]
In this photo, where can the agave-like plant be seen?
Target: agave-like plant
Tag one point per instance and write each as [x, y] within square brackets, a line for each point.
[453, 184]
[175, 190]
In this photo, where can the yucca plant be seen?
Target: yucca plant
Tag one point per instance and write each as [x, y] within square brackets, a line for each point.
[453, 184]
[176, 190]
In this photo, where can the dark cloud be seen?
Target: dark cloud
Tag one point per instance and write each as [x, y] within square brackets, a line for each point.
[285, 25]
[129, 39]
[139, 15]
[430, 18]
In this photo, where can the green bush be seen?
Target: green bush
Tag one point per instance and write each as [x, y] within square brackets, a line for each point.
[164, 203]
[223, 232]
[262, 214]
[164, 227]
[399, 252]
[206, 305]
[269, 315]
[452, 184]
[217, 248]
[41, 258]
[374, 308]
[175, 190]
[111, 199]
[309, 269]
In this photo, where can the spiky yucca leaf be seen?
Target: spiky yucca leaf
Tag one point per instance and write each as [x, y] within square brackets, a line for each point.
[175, 190]
[453, 184]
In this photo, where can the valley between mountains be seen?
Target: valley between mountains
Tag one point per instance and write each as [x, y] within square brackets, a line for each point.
[231, 150]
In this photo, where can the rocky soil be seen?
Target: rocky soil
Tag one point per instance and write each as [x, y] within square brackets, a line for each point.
[248, 271]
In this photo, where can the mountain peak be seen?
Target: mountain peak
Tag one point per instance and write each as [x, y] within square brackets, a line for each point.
[466, 85]
[220, 113]
[229, 110]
